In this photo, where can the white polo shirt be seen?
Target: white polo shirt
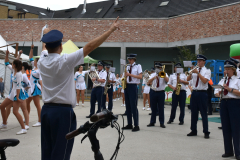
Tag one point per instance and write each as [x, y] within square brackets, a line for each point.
[58, 77]
[112, 78]
[206, 73]
[102, 75]
[238, 72]
[136, 70]
[173, 80]
[44, 53]
[162, 82]
[234, 83]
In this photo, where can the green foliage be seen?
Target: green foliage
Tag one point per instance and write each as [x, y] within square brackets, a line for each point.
[185, 54]
[167, 89]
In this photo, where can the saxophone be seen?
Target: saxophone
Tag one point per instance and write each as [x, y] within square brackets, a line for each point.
[107, 84]
[178, 85]
[124, 79]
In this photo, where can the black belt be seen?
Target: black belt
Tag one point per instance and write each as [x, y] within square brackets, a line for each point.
[158, 91]
[58, 104]
[200, 90]
[230, 99]
[98, 86]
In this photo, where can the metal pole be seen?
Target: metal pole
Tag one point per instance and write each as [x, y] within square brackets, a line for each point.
[5, 79]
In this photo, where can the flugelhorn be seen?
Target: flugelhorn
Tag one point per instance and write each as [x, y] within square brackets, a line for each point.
[190, 71]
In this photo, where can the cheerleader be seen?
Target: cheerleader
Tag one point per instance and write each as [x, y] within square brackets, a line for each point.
[17, 95]
[145, 91]
[122, 92]
[229, 110]
[80, 84]
[36, 85]
[118, 80]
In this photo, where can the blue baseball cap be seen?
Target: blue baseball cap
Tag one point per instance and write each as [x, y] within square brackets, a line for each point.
[201, 57]
[100, 63]
[229, 63]
[158, 64]
[131, 56]
[234, 60]
[53, 38]
[178, 65]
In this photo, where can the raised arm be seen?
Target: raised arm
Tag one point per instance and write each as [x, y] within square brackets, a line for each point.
[31, 52]
[89, 47]
[19, 55]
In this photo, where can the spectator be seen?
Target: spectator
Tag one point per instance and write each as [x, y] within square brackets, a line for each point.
[2, 87]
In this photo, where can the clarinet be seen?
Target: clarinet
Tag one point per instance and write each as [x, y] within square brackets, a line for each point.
[225, 80]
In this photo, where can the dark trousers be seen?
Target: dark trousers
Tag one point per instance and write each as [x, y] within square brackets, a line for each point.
[56, 122]
[230, 111]
[199, 103]
[157, 99]
[97, 95]
[110, 98]
[210, 105]
[131, 100]
[181, 99]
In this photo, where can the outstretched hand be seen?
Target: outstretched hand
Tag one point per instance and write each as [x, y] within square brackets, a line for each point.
[7, 52]
[20, 52]
[115, 25]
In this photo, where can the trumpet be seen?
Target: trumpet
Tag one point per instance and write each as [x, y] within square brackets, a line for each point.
[162, 74]
[190, 71]
[93, 74]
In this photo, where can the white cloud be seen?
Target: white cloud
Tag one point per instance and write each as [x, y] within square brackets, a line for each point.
[54, 4]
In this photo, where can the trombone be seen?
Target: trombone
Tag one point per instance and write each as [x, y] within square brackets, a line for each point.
[162, 74]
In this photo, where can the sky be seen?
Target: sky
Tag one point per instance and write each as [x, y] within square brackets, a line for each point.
[54, 4]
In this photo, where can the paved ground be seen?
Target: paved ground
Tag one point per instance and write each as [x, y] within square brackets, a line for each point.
[153, 143]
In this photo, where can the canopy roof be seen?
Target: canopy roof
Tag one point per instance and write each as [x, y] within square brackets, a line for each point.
[24, 57]
[70, 47]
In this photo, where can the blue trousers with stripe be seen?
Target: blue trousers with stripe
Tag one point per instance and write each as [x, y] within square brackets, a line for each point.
[131, 100]
[110, 98]
[97, 95]
[229, 111]
[181, 99]
[157, 99]
[56, 122]
[199, 103]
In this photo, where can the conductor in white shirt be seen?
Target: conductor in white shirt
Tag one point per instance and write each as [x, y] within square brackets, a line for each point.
[58, 93]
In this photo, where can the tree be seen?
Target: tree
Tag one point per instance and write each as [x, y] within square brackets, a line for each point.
[168, 90]
[185, 54]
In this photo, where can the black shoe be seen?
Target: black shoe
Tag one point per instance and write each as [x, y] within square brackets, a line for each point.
[128, 127]
[89, 116]
[238, 157]
[181, 123]
[192, 134]
[225, 155]
[135, 129]
[124, 114]
[219, 127]
[150, 114]
[209, 114]
[151, 125]
[206, 135]
[162, 126]
[169, 122]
